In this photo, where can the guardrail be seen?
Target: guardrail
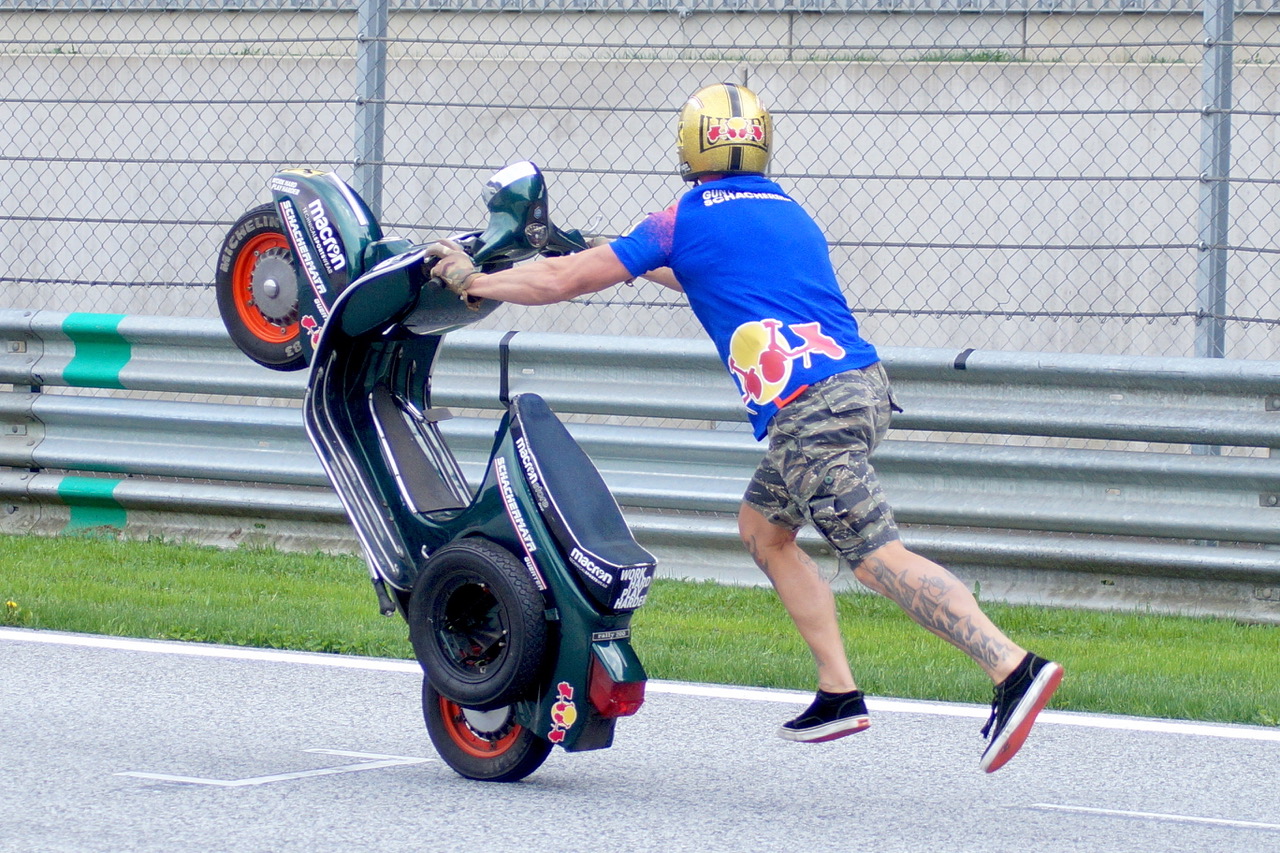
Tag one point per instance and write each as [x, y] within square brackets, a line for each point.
[1182, 516]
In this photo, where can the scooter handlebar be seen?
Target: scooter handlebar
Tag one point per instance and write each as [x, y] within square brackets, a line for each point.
[558, 243]
[564, 242]
[519, 225]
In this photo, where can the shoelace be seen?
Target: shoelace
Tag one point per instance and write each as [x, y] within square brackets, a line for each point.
[995, 709]
[1020, 674]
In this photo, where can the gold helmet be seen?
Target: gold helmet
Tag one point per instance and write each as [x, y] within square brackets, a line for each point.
[723, 130]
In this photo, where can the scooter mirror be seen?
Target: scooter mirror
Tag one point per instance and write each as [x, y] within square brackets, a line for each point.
[516, 184]
[518, 223]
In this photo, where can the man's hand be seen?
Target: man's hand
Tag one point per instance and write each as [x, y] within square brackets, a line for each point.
[454, 266]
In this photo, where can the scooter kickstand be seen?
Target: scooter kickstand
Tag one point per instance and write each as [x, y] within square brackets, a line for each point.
[386, 606]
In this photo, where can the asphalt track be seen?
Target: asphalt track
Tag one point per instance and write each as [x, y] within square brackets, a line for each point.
[126, 745]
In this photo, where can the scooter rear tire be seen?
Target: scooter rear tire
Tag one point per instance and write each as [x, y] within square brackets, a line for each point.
[488, 746]
[478, 624]
[256, 283]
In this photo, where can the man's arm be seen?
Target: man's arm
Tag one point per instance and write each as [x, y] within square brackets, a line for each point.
[549, 280]
[541, 282]
[665, 277]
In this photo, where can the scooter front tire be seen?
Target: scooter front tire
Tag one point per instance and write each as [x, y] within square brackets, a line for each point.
[488, 746]
[256, 284]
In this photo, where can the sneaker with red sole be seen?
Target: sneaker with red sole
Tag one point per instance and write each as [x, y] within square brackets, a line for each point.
[1018, 699]
[830, 716]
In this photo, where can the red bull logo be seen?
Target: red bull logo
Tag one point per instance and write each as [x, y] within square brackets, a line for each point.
[760, 356]
[564, 713]
[732, 131]
[312, 328]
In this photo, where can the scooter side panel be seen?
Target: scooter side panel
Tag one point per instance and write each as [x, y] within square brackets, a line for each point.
[564, 714]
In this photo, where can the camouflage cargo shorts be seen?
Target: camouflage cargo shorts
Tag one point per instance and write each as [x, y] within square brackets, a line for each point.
[816, 469]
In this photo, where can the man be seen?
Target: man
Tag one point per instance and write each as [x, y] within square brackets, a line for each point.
[756, 271]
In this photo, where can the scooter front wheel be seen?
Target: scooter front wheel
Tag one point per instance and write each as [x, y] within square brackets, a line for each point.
[489, 746]
[257, 289]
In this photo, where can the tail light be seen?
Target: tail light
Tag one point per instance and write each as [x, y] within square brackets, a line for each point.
[613, 698]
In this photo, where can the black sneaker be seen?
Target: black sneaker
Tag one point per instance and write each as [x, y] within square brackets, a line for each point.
[1018, 699]
[831, 715]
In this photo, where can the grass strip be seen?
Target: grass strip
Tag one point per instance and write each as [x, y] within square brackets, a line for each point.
[1127, 663]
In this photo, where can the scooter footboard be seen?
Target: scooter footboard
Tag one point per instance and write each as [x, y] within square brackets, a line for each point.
[367, 412]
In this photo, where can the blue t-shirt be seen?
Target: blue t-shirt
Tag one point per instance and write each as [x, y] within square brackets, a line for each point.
[757, 273]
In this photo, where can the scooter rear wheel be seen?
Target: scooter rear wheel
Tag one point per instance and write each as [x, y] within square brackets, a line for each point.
[477, 624]
[257, 289]
[489, 746]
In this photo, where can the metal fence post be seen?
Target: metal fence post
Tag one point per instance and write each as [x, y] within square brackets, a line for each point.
[371, 87]
[1215, 173]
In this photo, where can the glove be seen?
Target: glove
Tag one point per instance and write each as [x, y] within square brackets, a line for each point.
[453, 267]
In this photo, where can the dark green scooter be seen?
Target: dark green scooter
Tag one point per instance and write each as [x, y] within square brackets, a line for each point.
[519, 594]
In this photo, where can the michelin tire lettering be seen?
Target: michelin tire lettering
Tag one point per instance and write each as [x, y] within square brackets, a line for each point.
[237, 237]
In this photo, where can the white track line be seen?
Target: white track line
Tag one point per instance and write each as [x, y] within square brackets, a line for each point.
[200, 650]
[912, 706]
[1170, 818]
[379, 762]
[711, 691]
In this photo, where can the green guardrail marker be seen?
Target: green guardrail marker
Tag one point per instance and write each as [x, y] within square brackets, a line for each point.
[92, 503]
[101, 351]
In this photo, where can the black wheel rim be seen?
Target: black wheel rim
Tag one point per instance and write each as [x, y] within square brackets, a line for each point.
[470, 628]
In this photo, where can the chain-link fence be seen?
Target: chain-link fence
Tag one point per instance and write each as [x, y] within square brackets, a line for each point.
[1054, 175]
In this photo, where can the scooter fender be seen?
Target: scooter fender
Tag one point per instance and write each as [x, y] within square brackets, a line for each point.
[331, 231]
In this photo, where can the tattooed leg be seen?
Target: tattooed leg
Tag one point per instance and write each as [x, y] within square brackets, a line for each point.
[806, 596]
[936, 600]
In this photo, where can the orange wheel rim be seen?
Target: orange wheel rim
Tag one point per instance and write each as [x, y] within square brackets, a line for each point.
[472, 742]
[242, 290]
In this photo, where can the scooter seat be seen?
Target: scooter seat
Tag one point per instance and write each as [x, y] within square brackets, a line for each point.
[576, 505]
